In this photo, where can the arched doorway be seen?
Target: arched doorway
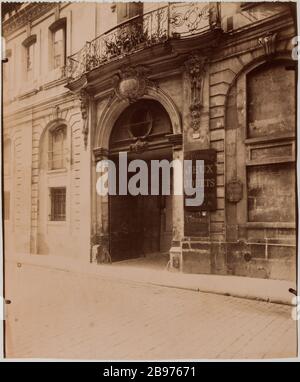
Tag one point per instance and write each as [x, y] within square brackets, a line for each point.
[140, 225]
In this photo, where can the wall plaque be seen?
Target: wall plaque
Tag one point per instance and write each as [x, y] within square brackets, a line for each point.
[195, 224]
[234, 191]
[210, 178]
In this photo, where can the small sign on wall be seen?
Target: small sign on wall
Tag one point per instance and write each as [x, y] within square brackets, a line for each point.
[196, 223]
[209, 157]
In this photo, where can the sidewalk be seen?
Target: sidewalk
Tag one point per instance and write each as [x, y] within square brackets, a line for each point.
[276, 291]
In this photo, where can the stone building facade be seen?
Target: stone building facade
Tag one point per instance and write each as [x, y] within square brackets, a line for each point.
[212, 81]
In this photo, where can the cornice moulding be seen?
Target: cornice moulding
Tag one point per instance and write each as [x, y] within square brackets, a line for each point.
[27, 94]
[44, 105]
[54, 83]
[243, 36]
[25, 15]
[282, 19]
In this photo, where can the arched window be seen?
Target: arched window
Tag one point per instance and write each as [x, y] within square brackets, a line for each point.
[144, 120]
[57, 147]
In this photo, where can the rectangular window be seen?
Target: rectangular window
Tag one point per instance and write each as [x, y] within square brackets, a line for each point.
[6, 205]
[127, 10]
[57, 140]
[29, 57]
[58, 204]
[122, 12]
[29, 48]
[59, 48]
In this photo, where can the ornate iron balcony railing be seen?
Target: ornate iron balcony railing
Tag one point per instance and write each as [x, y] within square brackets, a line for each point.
[177, 20]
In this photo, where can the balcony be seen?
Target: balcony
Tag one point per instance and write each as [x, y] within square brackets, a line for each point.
[173, 21]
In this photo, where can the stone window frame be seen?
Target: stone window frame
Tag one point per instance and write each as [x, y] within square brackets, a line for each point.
[259, 142]
[128, 10]
[60, 24]
[54, 178]
[63, 152]
[27, 44]
[58, 204]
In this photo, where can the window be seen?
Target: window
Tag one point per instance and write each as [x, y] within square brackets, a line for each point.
[144, 120]
[29, 57]
[122, 12]
[6, 157]
[29, 46]
[58, 204]
[57, 142]
[58, 46]
[140, 122]
[6, 205]
[127, 10]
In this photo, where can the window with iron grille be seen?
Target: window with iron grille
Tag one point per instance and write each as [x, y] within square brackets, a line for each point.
[58, 204]
[57, 141]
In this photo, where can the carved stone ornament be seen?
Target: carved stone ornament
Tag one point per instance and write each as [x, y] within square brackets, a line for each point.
[100, 153]
[234, 191]
[195, 67]
[268, 43]
[175, 140]
[84, 104]
[138, 146]
[195, 110]
[55, 112]
[130, 83]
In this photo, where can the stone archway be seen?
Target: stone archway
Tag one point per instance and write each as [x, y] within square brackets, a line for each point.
[105, 125]
[114, 109]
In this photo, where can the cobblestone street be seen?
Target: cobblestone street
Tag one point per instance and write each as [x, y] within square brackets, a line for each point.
[59, 314]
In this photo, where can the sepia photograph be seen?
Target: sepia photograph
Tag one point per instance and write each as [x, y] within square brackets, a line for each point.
[149, 182]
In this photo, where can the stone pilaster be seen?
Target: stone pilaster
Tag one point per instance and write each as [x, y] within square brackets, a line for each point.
[100, 229]
[177, 207]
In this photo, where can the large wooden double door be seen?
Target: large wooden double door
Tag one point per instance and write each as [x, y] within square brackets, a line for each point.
[135, 224]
